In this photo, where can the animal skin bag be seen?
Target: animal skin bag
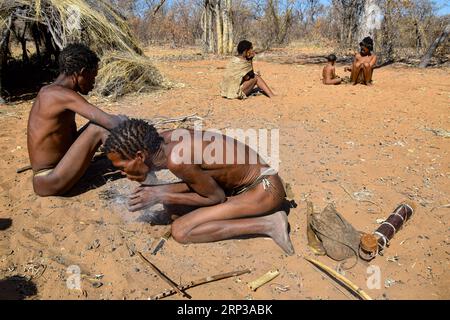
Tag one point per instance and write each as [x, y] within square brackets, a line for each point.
[330, 234]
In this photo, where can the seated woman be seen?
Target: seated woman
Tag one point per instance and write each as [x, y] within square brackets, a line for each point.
[363, 63]
[240, 79]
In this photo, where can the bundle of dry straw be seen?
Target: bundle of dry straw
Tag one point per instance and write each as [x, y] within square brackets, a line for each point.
[96, 23]
[123, 73]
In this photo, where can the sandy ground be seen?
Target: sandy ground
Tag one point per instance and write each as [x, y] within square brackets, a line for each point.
[370, 139]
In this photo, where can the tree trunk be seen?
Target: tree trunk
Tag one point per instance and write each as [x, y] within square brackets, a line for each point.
[210, 28]
[388, 34]
[230, 27]
[286, 26]
[217, 26]
[219, 35]
[427, 57]
[418, 37]
[225, 33]
[351, 12]
[204, 26]
[273, 13]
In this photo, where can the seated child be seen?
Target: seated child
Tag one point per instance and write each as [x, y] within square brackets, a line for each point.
[329, 72]
[363, 63]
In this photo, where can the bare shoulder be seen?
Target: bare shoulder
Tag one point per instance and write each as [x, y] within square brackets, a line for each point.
[46, 97]
[175, 166]
[54, 99]
[58, 94]
[183, 171]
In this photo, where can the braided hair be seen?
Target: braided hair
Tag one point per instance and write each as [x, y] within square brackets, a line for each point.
[131, 136]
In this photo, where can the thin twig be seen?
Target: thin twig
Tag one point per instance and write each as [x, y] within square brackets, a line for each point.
[163, 276]
[441, 207]
[347, 284]
[159, 6]
[23, 169]
[159, 121]
[199, 282]
[351, 196]
[334, 284]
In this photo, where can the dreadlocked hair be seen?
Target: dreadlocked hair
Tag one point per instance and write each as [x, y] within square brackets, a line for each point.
[75, 57]
[131, 136]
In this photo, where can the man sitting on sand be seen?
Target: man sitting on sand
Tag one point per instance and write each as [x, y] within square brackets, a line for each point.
[229, 196]
[363, 63]
[240, 80]
[329, 72]
[59, 154]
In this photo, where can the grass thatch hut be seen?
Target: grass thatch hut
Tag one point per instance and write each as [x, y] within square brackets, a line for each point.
[33, 32]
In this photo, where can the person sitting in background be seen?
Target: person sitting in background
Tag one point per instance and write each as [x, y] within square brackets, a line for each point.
[363, 63]
[329, 72]
[240, 80]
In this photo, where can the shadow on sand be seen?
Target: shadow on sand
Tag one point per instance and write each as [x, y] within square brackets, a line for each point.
[98, 174]
[16, 288]
[5, 223]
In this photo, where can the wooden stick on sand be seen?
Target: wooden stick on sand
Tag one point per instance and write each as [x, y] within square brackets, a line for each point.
[199, 282]
[347, 284]
[23, 169]
[164, 277]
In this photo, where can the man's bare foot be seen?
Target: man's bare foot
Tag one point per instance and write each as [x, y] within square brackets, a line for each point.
[279, 231]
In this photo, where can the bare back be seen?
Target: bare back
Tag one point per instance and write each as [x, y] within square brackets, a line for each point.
[51, 124]
[242, 167]
[51, 128]
[328, 73]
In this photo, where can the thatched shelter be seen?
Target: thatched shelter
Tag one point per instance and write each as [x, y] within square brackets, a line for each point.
[40, 29]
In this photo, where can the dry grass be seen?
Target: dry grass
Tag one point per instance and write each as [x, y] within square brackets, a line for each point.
[123, 73]
[124, 69]
[102, 27]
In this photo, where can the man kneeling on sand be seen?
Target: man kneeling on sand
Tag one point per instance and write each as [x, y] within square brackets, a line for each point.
[59, 154]
[329, 72]
[230, 195]
[240, 80]
[363, 63]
